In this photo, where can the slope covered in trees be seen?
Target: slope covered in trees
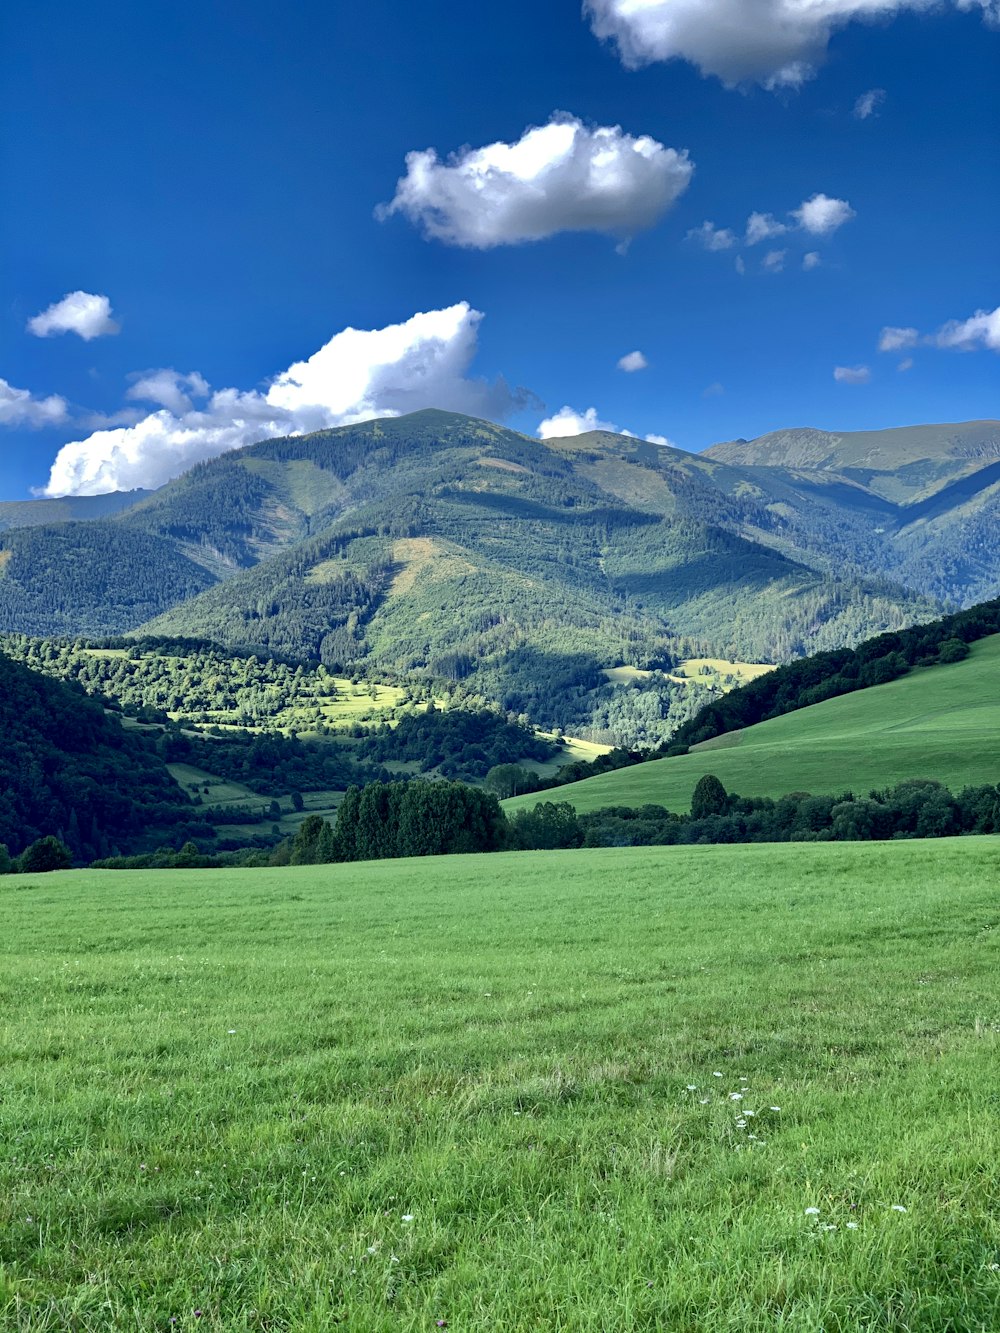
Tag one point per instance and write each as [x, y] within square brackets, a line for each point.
[68, 770]
[449, 548]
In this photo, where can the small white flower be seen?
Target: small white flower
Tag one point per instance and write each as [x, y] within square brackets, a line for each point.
[852, 1226]
[372, 1249]
[812, 1212]
[703, 1101]
[736, 1096]
[407, 1217]
[717, 1073]
[898, 1208]
[775, 1108]
[231, 1032]
[829, 1226]
[995, 1268]
[692, 1087]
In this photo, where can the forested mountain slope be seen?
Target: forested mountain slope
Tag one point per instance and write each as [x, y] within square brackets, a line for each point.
[67, 769]
[933, 493]
[450, 547]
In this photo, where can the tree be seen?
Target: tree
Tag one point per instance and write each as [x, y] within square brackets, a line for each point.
[5, 861]
[44, 855]
[305, 847]
[550, 825]
[953, 650]
[709, 798]
[506, 780]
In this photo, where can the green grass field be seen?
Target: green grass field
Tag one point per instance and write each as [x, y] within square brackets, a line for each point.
[942, 722]
[511, 1093]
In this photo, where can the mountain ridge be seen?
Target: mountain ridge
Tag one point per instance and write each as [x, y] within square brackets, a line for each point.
[448, 546]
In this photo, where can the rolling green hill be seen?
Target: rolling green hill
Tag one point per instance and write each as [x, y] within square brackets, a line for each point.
[941, 723]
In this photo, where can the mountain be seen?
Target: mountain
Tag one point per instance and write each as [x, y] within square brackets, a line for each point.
[933, 491]
[446, 546]
[68, 769]
[33, 513]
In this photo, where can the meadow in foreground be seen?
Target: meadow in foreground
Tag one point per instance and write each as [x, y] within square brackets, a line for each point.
[727, 1089]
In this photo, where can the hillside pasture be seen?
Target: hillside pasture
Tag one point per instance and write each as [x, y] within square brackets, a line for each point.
[737, 1089]
[941, 722]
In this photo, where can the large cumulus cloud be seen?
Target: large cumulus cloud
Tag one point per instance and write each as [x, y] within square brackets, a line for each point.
[779, 43]
[558, 177]
[358, 375]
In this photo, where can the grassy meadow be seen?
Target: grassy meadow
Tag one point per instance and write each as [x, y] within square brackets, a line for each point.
[733, 1089]
[942, 722]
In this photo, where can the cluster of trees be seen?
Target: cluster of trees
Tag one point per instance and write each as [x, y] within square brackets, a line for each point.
[386, 820]
[919, 808]
[382, 821]
[69, 771]
[826, 675]
[463, 744]
[270, 765]
[196, 681]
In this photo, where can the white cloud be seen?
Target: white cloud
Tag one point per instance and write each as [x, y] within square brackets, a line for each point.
[774, 261]
[82, 313]
[169, 389]
[632, 362]
[762, 226]
[968, 335]
[18, 407]
[558, 177]
[868, 103]
[852, 374]
[821, 215]
[356, 376]
[712, 237]
[905, 364]
[740, 265]
[568, 422]
[811, 260]
[714, 390]
[896, 340]
[778, 43]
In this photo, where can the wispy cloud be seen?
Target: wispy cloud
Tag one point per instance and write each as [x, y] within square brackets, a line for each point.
[868, 103]
[852, 374]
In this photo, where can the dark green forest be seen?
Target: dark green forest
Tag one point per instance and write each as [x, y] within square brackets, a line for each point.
[68, 770]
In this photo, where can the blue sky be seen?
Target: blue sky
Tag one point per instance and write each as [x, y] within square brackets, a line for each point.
[206, 177]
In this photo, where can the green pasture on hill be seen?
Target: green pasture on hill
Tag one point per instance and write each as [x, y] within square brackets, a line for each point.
[735, 1089]
[940, 722]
